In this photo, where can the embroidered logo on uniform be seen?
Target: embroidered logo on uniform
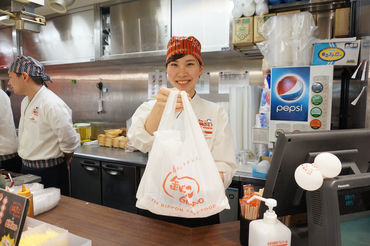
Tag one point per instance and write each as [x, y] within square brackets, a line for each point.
[35, 111]
[207, 126]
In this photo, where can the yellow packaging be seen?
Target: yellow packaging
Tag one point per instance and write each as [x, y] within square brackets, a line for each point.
[243, 31]
[258, 22]
[341, 27]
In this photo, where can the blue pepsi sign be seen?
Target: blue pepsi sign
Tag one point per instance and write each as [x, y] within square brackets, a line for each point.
[290, 93]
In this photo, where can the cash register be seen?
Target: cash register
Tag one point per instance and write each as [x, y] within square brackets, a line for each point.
[339, 212]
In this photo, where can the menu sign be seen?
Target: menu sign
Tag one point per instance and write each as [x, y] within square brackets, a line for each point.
[13, 212]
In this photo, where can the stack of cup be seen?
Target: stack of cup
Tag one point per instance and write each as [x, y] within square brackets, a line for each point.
[261, 7]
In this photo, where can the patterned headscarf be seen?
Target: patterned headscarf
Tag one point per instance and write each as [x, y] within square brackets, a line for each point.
[184, 45]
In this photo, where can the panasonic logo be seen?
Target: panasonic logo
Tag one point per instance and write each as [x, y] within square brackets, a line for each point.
[343, 186]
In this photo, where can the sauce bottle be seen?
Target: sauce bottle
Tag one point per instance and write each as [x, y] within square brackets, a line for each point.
[27, 193]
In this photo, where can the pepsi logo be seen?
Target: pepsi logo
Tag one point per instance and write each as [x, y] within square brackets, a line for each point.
[290, 88]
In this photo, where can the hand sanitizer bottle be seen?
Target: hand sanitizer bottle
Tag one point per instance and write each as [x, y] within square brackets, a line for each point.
[269, 230]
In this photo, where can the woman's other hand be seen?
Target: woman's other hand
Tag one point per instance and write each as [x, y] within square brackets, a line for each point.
[152, 122]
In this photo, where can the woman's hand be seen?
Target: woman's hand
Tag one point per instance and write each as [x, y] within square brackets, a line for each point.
[152, 122]
[162, 98]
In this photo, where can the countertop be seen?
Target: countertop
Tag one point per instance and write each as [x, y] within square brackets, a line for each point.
[111, 154]
[94, 151]
[111, 227]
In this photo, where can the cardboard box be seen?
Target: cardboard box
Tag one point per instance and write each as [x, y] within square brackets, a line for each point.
[288, 12]
[341, 27]
[242, 31]
[339, 51]
[258, 22]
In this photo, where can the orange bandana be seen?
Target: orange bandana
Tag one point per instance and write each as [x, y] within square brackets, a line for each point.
[184, 45]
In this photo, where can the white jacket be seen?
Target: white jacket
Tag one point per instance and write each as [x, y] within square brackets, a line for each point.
[45, 127]
[214, 123]
[8, 137]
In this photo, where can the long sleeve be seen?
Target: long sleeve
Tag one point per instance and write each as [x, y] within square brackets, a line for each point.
[60, 119]
[223, 148]
[137, 136]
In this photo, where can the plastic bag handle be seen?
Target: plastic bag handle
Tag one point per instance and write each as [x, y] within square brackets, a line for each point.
[192, 119]
[168, 115]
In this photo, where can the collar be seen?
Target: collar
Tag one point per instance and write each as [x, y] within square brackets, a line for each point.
[195, 99]
[42, 88]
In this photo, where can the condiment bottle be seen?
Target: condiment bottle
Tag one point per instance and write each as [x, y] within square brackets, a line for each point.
[27, 193]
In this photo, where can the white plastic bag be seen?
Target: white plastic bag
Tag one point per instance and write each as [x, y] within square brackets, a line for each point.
[181, 178]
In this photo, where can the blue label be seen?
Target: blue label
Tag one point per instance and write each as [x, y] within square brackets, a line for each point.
[290, 93]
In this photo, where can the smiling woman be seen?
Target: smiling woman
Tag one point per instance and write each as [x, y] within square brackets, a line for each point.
[184, 73]
[184, 67]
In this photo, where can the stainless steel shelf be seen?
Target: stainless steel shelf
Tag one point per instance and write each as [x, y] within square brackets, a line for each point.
[250, 52]
[311, 6]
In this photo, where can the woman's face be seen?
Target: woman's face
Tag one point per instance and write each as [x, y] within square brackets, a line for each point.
[184, 73]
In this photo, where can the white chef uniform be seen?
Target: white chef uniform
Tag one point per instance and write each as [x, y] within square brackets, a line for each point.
[214, 123]
[45, 128]
[8, 137]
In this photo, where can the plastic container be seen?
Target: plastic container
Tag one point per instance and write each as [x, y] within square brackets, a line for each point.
[60, 236]
[261, 169]
[27, 193]
[269, 230]
[45, 199]
[32, 225]
[84, 129]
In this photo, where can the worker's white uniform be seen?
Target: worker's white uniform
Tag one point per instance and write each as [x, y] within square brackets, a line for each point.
[214, 123]
[45, 127]
[8, 137]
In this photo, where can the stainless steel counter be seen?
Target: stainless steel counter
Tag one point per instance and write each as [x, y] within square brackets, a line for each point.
[94, 151]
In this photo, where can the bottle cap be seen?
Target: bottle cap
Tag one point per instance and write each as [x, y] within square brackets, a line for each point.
[24, 191]
[270, 214]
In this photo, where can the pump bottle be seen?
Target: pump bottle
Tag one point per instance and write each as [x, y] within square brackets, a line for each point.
[269, 230]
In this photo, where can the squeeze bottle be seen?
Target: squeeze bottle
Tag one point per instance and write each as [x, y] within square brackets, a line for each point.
[27, 193]
[269, 230]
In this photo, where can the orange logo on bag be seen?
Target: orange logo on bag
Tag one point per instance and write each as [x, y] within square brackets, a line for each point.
[184, 188]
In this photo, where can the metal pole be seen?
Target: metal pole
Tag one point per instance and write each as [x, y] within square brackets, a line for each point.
[17, 42]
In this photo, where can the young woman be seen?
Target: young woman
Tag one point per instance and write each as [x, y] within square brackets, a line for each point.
[184, 67]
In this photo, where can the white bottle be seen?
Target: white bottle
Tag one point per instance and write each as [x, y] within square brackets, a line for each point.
[269, 230]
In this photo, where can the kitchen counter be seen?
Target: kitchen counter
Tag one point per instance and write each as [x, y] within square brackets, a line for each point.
[94, 151]
[111, 227]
